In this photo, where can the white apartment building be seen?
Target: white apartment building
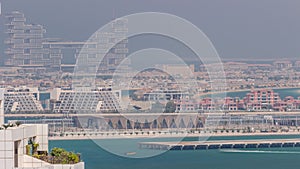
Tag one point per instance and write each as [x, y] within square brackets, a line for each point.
[22, 99]
[13, 141]
[84, 101]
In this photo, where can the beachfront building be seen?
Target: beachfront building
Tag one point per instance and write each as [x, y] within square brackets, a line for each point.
[165, 95]
[228, 103]
[233, 104]
[186, 105]
[21, 99]
[297, 64]
[289, 103]
[261, 99]
[207, 104]
[282, 64]
[99, 100]
[256, 100]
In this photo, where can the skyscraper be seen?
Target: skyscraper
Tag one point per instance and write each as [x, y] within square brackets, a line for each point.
[115, 56]
[27, 47]
[24, 41]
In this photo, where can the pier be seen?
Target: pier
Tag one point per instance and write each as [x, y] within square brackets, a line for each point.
[221, 144]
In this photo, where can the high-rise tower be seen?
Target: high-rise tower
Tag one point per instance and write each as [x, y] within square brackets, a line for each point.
[24, 41]
[116, 55]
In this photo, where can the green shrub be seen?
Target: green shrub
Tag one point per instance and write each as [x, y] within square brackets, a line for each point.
[72, 157]
[64, 157]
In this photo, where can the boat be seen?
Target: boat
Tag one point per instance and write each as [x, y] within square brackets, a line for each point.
[130, 153]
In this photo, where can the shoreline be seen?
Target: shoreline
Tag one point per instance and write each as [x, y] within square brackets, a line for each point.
[123, 136]
[245, 90]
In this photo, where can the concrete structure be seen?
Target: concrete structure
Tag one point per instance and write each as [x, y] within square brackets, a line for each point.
[221, 144]
[22, 99]
[27, 47]
[256, 100]
[207, 104]
[13, 151]
[2, 106]
[56, 50]
[165, 95]
[146, 121]
[68, 101]
[13, 141]
[261, 99]
[233, 104]
[282, 64]
[16, 141]
[24, 41]
[186, 105]
[116, 55]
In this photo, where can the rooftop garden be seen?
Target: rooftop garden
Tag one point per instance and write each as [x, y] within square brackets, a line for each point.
[56, 156]
[6, 126]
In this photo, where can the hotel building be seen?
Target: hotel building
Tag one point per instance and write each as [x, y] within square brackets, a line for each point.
[21, 99]
[68, 101]
[261, 99]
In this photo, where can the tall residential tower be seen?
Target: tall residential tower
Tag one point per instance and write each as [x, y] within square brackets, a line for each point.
[24, 41]
[28, 48]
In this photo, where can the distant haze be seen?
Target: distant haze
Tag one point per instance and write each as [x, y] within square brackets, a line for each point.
[238, 28]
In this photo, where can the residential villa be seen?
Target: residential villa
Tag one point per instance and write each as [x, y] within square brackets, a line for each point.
[256, 100]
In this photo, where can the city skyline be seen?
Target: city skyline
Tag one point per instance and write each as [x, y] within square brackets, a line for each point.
[27, 46]
[121, 81]
[265, 29]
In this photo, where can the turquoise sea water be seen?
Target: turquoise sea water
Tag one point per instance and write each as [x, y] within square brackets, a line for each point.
[295, 92]
[274, 158]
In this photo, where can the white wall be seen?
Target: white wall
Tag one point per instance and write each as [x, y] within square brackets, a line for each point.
[21, 134]
[30, 162]
[2, 106]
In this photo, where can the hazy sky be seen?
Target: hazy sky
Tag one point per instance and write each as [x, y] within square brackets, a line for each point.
[237, 28]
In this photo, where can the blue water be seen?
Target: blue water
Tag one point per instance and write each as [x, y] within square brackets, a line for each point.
[282, 92]
[45, 96]
[97, 158]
